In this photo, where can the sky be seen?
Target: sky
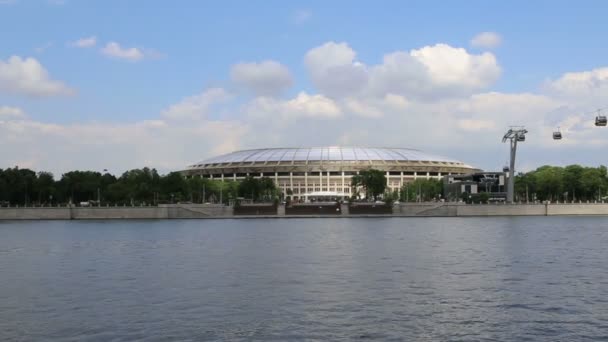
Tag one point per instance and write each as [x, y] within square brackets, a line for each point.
[117, 85]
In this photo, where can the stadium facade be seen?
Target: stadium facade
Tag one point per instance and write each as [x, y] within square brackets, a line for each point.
[325, 172]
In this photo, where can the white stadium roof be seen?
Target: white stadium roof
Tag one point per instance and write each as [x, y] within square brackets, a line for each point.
[331, 153]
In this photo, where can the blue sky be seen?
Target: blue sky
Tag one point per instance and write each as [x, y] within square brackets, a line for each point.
[185, 48]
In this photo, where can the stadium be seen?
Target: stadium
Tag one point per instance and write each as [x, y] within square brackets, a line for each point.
[325, 172]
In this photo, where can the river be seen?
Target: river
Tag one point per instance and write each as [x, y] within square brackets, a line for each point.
[414, 279]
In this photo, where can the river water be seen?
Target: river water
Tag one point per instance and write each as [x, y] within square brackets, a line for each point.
[411, 279]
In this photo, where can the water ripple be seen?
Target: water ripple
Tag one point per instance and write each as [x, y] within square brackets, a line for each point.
[436, 279]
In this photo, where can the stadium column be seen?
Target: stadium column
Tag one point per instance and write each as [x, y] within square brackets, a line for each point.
[305, 186]
[321, 180]
[388, 179]
[290, 182]
[342, 188]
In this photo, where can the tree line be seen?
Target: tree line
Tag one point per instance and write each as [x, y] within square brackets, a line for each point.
[145, 186]
[569, 183]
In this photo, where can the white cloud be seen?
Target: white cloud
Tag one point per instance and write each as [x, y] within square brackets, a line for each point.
[334, 70]
[430, 72]
[312, 106]
[114, 50]
[265, 78]
[486, 40]
[27, 76]
[86, 42]
[455, 67]
[588, 86]
[362, 108]
[11, 113]
[302, 106]
[196, 107]
[476, 125]
[165, 145]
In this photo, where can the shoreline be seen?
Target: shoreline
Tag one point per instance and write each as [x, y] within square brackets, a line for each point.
[198, 211]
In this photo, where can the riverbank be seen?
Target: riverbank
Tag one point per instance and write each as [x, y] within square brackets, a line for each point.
[199, 211]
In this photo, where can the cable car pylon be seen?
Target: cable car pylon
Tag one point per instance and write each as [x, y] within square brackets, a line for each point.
[513, 135]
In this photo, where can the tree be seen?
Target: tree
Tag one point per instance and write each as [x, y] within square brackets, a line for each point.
[372, 181]
[549, 182]
[483, 197]
[258, 188]
[422, 189]
[44, 187]
[572, 180]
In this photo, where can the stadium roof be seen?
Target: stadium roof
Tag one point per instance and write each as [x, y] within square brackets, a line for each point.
[331, 153]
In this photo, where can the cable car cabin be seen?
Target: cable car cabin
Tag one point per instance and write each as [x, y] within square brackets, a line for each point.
[600, 120]
[505, 169]
[557, 135]
[521, 138]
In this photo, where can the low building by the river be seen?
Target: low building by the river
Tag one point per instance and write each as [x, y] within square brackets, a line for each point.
[472, 185]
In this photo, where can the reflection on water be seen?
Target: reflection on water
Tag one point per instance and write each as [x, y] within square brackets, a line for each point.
[507, 279]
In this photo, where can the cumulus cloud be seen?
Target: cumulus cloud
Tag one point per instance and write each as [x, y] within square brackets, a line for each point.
[302, 106]
[267, 78]
[86, 42]
[588, 86]
[162, 144]
[196, 107]
[430, 72]
[114, 50]
[27, 76]
[486, 40]
[334, 70]
[455, 67]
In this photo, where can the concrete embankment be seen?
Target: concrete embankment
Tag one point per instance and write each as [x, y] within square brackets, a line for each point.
[177, 211]
[199, 211]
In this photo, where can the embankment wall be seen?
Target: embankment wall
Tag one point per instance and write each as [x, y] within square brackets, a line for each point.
[199, 211]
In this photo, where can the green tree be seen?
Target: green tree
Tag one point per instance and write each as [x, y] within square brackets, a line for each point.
[257, 188]
[572, 181]
[422, 189]
[549, 182]
[372, 181]
[44, 187]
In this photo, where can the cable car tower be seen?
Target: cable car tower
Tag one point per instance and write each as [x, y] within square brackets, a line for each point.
[513, 135]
